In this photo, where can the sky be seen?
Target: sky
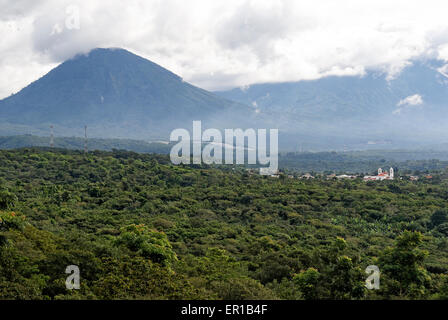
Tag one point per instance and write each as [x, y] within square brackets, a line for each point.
[221, 44]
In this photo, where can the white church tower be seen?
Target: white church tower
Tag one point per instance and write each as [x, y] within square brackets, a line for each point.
[391, 173]
[380, 171]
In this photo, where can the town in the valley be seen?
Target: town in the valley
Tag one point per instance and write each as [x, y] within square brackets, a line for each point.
[380, 175]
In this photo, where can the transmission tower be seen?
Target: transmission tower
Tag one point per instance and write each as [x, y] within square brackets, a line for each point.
[85, 140]
[51, 137]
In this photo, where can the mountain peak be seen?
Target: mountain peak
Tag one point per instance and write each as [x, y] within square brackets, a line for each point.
[111, 87]
[119, 58]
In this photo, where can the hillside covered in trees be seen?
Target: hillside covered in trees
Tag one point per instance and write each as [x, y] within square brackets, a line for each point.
[141, 228]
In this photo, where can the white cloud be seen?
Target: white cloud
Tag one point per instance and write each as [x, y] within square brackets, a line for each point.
[413, 100]
[443, 70]
[410, 101]
[443, 52]
[226, 43]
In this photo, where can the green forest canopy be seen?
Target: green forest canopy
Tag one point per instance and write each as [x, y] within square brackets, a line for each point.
[141, 228]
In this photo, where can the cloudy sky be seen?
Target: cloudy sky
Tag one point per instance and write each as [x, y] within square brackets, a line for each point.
[218, 44]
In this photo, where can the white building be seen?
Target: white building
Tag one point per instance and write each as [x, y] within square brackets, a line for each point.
[382, 175]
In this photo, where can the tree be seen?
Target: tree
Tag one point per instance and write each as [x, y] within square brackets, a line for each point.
[7, 200]
[443, 229]
[344, 277]
[147, 243]
[402, 267]
[443, 292]
[308, 283]
[439, 217]
[138, 278]
[338, 276]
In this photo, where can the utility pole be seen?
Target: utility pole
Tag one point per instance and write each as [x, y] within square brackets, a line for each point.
[51, 137]
[85, 141]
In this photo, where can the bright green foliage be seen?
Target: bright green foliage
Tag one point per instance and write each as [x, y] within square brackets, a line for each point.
[403, 267]
[443, 293]
[308, 283]
[11, 220]
[340, 276]
[147, 243]
[141, 228]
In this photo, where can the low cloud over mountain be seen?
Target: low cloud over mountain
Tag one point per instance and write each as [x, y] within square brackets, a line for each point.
[224, 44]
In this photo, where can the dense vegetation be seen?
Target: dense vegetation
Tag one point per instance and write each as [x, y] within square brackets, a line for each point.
[140, 228]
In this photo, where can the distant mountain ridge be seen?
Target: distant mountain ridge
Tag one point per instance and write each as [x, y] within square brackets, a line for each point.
[371, 93]
[117, 94]
[411, 107]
